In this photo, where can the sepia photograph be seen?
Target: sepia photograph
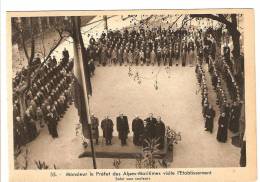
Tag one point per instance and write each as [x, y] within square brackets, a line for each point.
[128, 90]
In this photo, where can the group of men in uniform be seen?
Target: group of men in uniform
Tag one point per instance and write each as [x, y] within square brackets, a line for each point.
[220, 70]
[207, 110]
[143, 46]
[46, 100]
[150, 128]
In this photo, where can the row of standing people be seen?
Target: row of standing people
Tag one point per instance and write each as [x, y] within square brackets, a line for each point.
[229, 113]
[48, 96]
[140, 48]
[207, 110]
[234, 84]
[231, 107]
[150, 127]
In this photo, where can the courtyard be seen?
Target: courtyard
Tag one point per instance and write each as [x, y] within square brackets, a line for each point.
[177, 100]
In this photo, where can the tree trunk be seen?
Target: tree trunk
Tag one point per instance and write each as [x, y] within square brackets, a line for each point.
[40, 24]
[238, 69]
[48, 22]
[236, 51]
[21, 100]
[105, 23]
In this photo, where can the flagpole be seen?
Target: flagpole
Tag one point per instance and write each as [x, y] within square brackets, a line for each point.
[83, 81]
[91, 139]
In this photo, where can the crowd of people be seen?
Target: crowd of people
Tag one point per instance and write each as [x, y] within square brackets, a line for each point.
[220, 71]
[45, 100]
[149, 128]
[149, 46]
[207, 110]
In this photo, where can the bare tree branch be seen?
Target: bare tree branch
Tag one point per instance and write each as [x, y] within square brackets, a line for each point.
[219, 18]
[184, 22]
[175, 21]
[52, 49]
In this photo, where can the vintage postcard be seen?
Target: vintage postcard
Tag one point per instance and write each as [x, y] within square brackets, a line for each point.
[143, 95]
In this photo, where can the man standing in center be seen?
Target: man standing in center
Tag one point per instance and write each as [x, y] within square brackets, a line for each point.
[122, 128]
[138, 129]
[150, 124]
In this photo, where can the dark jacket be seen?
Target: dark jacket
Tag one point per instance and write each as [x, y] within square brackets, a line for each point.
[107, 127]
[122, 127]
[222, 129]
[138, 126]
[160, 130]
[150, 127]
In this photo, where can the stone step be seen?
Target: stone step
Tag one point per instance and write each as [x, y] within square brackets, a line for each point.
[129, 151]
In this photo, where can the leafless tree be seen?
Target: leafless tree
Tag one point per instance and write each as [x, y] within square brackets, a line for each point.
[231, 23]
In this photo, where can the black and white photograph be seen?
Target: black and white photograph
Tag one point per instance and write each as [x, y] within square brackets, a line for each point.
[137, 90]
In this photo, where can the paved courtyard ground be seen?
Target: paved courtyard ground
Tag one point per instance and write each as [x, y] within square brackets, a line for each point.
[114, 91]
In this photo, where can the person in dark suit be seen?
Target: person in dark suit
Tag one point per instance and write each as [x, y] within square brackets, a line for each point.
[138, 130]
[150, 124]
[52, 124]
[37, 60]
[209, 115]
[170, 56]
[30, 125]
[226, 51]
[122, 128]
[235, 115]
[53, 61]
[65, 54]
[160, 132]
[91, 67]
[21, 132]
[176, 53]
[158, 56]
[222, 128]
[206, 53]
[107, 127]
[200, 54]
